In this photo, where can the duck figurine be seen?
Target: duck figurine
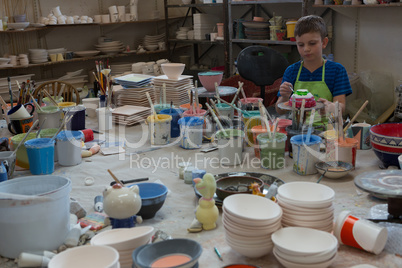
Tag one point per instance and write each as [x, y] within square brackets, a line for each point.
[122, 204]
[207, 213]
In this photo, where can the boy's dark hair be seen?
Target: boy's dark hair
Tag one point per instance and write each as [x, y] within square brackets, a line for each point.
[311, 23]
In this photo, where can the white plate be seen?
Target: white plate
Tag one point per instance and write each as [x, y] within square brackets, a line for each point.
[287, 263]
[86, 53]
[306, 193]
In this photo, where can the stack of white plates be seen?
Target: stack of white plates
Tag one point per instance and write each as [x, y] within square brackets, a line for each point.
[176, 90]
[249, 220]
[133, 96]
[153, 39]
[130, 115]
[120, 68]
[134, 80]
[125, 241]
[304, 247]
[37, 55]
[110, 48]
[307, 204]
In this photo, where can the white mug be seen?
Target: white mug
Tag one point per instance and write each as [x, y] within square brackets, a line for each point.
[106, 18]
[98, 18]
[56, 11]
[113, 10]
[128, 17]
[114, 17]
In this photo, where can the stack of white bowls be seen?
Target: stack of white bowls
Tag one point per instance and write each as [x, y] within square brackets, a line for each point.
[37, 55]
[124, 240]
[307, 204]
[304, 247]
[249, 220]
[110, 48]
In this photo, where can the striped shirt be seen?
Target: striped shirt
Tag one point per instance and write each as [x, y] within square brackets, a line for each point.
[336, 77]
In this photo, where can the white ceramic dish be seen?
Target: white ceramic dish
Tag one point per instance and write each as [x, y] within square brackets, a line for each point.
[334, 169]
[306, 193]
[252, 207]
[86, 53]
[308, 258]
[250, 230]
[312, 209]
[18, 25]
[86, 256]
[251, 252]
[307, 218]
[302, 241]
[4, 61]
[124, 238]
[247, 244]
[250, 222]
[262, 239]
[289, 264]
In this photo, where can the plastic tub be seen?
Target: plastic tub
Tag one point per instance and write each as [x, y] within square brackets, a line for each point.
[35, 225]
[69, 145]
[41, 155]
[191, 129]
[159, 130]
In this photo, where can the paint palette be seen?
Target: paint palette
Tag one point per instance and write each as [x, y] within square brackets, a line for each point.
[130, 115]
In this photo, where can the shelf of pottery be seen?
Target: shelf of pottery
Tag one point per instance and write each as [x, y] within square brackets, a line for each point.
[105, 48]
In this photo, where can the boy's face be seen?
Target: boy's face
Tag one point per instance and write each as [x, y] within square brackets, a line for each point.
[310, 46]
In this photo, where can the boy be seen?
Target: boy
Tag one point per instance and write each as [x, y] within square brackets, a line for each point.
[328, 81]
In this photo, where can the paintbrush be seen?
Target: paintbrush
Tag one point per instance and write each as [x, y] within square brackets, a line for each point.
[294, 115]
[234, 107]
[215, 108]
[237, 92]
[244, 95]
[355, 116]
[151, 105]
[164, 93]
[4, 104]
[25, 137]
[197, 108]
[191, 103]
[302, 114]
[217, 92]
[20, 91]
[264, 118]
[10, 91]
[37, 106]
[217, 120]
[50, 97]
[114, 177]
[40, 127]
[310, 125]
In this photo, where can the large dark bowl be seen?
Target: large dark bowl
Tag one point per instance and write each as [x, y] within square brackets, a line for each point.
[386, 140]
[145, 256]
[230, 185]
[153, 196]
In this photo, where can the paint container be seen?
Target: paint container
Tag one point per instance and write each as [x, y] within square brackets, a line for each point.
[49, 133]
[22, 156]
[41, 156]
[160, 107]
[176, 114]
[53, 117]
[159, 130]
[342, 150]
[77, 122]
[88, 134]
[359, 233]
[197, 173]
[69, 145]
[191, 129]
[230, 147]
[47, 101]
[182, 168]
[42, 223]
[272, 154]
[290, 133]
[225, 110]
[105, 120]
[282, 125]
[360, 132]
[3, 172]
[257, 130]
[250, 120]
[188, 174]
[186, 106]
[305, 154]
[8, 160]
[249, 104]
[68, 104]
[200, 113]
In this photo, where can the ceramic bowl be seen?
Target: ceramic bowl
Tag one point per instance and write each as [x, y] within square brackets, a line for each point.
[153, 196]
[173, 70]
[334, 169]
[124, 238]
[236, 185]
[146, 256]
[308, 258]
[86, 256]
[386, 141]
[4, 61]
[251, 252]
[208, 79]
[18, 25]
[306, 193]
[400, 161]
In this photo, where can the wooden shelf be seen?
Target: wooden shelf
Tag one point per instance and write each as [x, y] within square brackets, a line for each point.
[194, 41]
[98, 57]
[270, 42]
[233, 3]
[196, 5]
[360, 6]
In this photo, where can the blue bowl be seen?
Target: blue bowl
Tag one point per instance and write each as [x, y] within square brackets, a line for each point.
[153, 196]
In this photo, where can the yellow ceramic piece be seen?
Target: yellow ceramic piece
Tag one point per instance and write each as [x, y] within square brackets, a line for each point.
[207, 213]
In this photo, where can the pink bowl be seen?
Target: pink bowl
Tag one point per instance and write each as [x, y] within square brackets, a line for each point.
[208, 79]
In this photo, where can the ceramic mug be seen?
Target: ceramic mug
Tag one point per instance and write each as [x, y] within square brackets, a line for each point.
[20, 112]
[17, 126]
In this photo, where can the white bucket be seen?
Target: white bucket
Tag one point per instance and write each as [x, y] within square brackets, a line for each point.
[230, 147]
[159, 130]
[191, 129]
[39, 220]
[104, 119]
[69, 146]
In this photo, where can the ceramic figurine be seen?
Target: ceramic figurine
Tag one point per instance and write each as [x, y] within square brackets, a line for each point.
[255, 187]
[121, 204]
[207, 213]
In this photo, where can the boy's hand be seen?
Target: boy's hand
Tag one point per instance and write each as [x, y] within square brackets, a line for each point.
[329, 106]
[285, 90]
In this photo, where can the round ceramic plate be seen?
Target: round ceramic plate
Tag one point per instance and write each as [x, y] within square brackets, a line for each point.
[267, 179]
[286, 106]
[223, 91]
[381, 183]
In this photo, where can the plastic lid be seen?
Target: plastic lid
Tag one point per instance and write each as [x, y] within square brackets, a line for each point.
[39, 143]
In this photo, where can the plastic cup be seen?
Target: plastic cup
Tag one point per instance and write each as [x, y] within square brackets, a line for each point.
[49, 133]
[230, 147]
[361, 234]
[272, 154]
[176, 114]
[186, 106]
[22, 156]
[53, 117]
[250, 120]
[41, 156]
[191, 129]
[8, 159]
[290, 133]
[47, 101]
[197, 173]
[305, 153]
[159, 129]
[341, 150]
[69, 145]
[249, 104]
[257, 130]
[225, 110]
[160, 107]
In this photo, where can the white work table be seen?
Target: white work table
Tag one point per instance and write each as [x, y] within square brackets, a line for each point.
[178, 210]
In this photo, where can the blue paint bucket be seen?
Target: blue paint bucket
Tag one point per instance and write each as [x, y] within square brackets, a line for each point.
[191, 129]
[176, 114]
[40, 155]
[305, 153]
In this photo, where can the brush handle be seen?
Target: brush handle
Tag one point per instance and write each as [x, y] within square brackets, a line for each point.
[356, 115]
[25, 137]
